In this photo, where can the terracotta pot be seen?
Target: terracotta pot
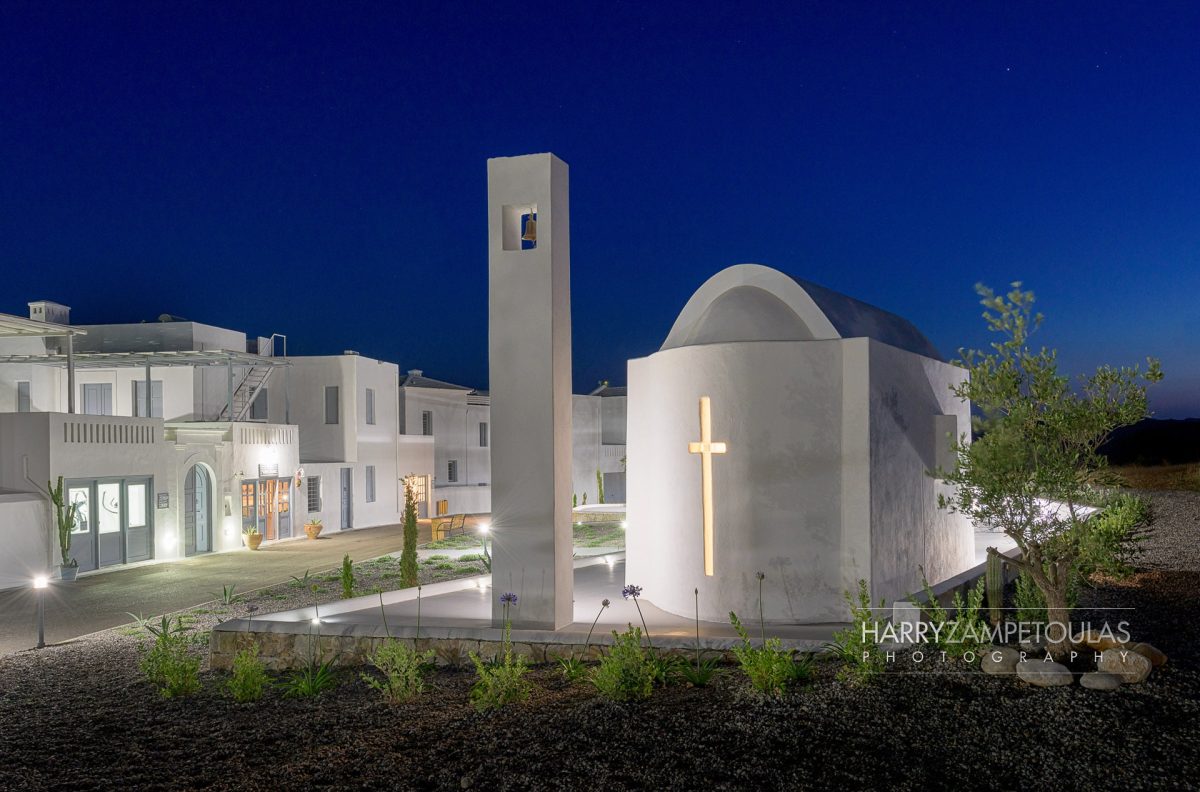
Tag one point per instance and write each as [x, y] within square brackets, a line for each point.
[313, 530]
[253, 540]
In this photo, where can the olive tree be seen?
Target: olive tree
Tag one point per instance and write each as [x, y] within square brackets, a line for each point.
[1035, 459]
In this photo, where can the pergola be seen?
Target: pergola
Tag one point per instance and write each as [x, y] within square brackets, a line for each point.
[20, 327]
[15, 326]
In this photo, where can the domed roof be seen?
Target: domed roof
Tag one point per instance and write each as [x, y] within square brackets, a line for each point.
[750, 302]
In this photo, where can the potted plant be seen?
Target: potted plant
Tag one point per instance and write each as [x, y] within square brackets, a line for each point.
[313, 528]
[65, 517]
[253, 537]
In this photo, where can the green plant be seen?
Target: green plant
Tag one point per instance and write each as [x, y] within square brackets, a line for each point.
[1038, 442]
[857, 645]
[626, 672]
[487, 555]
[403, 669]
[65, 516]
[314, 521]
[700, 674]
[300, 582]
[585, 499]
[250, 529]
[227, 595]
[572, 668]
[346, 577]
[1030, 603]
[967, 632]
[502, 682]
[634, 593]
[168, 665]
[249, 678]
[310, 681]
[770, 668]
[599, 486]
[994, 575]
[1112, 540]
[574, 500]
[408, 556]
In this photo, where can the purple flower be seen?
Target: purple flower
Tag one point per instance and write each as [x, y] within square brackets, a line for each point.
[604, 603]
[631, 591]
[508, 598]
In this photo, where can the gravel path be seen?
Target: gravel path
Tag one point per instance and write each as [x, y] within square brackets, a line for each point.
[79, 716]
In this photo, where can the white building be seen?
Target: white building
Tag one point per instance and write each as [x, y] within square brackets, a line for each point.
[219, 446]
[457, 418]
[825, 418]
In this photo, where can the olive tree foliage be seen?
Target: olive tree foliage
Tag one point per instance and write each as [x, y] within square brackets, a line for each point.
[1037, 445]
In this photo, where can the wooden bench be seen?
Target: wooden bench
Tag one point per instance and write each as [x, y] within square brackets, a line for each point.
[449, 526]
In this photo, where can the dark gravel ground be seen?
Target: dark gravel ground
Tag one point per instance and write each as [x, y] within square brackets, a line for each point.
[79, 717]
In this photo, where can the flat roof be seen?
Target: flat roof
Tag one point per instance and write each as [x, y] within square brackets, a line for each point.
[216, 357]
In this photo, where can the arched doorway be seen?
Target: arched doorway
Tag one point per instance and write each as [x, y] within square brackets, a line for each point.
[197, 511]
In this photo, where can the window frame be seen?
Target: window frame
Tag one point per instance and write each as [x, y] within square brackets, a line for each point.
[313, 489]
[452, 471]
[370, 398]
[369, 475]
[336, 405]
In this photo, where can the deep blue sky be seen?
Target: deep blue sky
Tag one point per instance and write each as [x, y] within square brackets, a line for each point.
[319, 169]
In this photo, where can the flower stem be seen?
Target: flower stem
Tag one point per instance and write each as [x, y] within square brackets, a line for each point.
[644, 627]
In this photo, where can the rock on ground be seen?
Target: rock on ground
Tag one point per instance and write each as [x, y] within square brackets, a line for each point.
[1127, 664]
[1044, 673]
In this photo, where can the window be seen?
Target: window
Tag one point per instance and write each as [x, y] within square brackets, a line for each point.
[97, 398]
[370, 406]
[483, 430]
[426, 423]
[22, 397]
[370, 483]
[314, 493]
[139, 399]
[452, 470]
[258, 407]
[332, 408]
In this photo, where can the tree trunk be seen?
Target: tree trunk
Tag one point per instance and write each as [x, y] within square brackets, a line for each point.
[1058, 620]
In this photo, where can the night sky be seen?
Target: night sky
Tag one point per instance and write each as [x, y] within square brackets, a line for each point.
[319, 169]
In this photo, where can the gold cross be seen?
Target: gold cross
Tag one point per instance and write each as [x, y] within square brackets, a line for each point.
[706, 448]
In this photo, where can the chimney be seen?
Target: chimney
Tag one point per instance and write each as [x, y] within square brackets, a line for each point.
[48, 311]
[415, 372]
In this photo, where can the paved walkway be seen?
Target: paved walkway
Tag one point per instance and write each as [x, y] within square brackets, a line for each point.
[103, 600]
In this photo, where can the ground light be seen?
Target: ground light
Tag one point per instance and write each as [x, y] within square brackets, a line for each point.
[484, 528]
[39, 584]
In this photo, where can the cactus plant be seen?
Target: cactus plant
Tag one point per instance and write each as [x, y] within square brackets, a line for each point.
[994, 573]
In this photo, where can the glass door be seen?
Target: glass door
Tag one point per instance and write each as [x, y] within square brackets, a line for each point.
[138, 533]
[83, 538]
[283, 507]
[267, 509]
[109, 508]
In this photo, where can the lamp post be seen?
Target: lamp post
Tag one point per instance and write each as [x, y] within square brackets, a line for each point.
[39, 585]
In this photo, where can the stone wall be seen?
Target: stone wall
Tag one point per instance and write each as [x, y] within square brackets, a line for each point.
[283, 650]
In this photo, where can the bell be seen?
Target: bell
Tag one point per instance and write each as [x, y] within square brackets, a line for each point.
[530, 234]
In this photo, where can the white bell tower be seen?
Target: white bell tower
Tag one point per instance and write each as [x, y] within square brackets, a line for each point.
[529, 354]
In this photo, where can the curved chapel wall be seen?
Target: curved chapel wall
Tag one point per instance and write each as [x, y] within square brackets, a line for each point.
[777, 491]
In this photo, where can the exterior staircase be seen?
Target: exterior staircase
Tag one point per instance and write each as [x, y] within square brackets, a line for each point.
[245, 393]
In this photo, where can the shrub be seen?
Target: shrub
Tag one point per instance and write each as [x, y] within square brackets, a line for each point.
[408, 555]
[770, 668]
[403, 669]
[310, 681]
[1112, 539]
[853, 645]
[347, 577]
[168, 665]
[967, 631]
[627, 672]
[249, 678]
[501, 682]
[699, 674]
[451, 653]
